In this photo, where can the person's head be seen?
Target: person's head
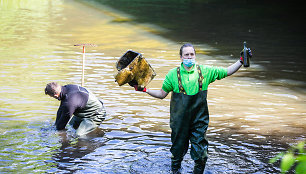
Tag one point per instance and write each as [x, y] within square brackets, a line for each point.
[188, 54]
[184, 46]
[53, 89]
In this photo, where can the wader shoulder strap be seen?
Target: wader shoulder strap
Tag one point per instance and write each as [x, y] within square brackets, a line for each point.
[200, 78]
[182, 90]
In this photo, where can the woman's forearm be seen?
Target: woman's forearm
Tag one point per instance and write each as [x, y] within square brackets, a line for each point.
[233, 68]
[157, 93]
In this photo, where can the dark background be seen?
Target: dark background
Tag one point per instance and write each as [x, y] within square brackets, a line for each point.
[274, 30]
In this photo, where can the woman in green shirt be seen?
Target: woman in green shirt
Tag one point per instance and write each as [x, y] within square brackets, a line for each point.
[189, 115]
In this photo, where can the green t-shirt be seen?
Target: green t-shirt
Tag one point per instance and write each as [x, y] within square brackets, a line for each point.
[190, 78]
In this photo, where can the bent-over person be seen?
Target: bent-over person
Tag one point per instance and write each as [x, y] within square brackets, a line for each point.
[80, 107]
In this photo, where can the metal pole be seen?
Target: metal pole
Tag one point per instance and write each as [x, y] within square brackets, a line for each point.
[83, 67]
[83, 61]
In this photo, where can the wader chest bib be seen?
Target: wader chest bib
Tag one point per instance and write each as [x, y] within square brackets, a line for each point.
[90, 117]
[189, 119]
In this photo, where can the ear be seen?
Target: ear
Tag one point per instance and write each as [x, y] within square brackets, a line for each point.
[56, 96]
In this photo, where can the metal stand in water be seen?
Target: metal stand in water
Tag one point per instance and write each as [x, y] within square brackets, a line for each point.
[83, 60]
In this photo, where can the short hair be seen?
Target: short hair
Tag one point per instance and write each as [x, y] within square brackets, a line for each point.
[52, 88]
[186, 45]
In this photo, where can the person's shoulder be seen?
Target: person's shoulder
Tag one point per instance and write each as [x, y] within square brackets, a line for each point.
[68, 87]
[204, 67]
[172, 71]
[209, 67]
[71, 89]
[213, 69]
[71, 85]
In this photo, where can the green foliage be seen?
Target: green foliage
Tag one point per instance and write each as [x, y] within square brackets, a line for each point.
[295, 155]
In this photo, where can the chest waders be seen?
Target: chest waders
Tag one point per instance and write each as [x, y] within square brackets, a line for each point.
[90, 117]
[189, 120]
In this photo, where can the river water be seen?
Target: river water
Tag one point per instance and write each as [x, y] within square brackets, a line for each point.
[251, 119]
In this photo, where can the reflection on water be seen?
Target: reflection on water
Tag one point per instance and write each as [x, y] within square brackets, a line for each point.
[26, 147]
[250, 120]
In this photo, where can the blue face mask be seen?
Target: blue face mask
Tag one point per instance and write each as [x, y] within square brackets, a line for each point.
[189, 62]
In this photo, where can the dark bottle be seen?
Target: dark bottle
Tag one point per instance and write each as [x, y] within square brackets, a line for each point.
[246, 57]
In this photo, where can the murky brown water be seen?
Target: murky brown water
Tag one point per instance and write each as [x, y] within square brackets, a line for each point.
[250, 120]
